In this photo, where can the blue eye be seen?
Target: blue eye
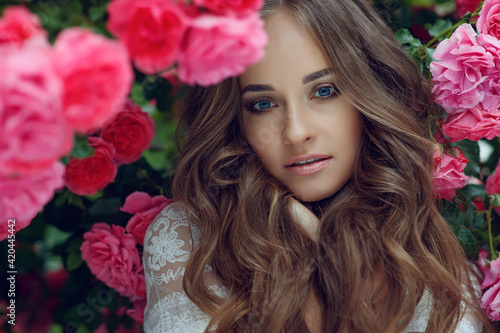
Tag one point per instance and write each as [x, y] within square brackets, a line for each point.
[324, 92]
[262, 105]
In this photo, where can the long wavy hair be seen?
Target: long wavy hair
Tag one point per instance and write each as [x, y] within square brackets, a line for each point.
[382, 241]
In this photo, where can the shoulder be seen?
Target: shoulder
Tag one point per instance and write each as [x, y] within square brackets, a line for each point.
[171, 236]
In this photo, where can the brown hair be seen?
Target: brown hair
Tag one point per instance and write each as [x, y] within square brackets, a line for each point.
[384, 222]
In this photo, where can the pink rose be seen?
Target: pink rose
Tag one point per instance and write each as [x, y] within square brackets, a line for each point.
[491, 100]
[112, 256]
[490, 301]
[459, 71]
[489, 18]
[472, 124]
[18, 25]
[493, 183]
[21, 198]
[91, 174]
[448, 173]
[152, 30]
[145, 209]
[34, 131]
[96, 73]
[230, 6]
[130, 131]
[220, 47]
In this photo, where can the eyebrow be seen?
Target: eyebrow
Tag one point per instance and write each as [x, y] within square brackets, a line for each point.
[308, 78]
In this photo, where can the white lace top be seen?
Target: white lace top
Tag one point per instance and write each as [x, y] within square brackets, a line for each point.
[167, 246]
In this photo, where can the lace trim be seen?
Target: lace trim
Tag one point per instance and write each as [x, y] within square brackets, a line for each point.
[176, 313]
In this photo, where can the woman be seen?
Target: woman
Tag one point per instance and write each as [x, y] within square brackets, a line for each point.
[304, 192]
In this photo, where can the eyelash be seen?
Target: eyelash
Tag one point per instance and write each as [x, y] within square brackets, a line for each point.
[251, 106]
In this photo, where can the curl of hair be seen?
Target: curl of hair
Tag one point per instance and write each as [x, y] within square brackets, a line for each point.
[382, 239]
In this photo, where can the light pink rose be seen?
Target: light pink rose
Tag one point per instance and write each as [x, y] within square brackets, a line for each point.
[18, 25]
[21, 198]
[448, 173]
[152, 30]
[231, 6]
[459, 70]
[491, 100]
[472, 124]
[86, 176]
[34, 131]
[220, 47]
[489, 18]
[145, 209]
[112, 256]
[96, 73]
[493, 183]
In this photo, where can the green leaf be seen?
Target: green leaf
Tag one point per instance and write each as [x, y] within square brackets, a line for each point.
[82, 149]
[405, 37]
[97, 12]
[470, 149]
[473, 190]
[439, 27]
[73, 261]
[468, 242]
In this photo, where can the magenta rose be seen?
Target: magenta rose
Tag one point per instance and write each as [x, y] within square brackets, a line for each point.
[459, 70]
[112, 256]
[91, 174]
[130, 131]
[472, 124]
[34, 131]
[145, 209]
[489, 18]
[152, 30]
[22, 197]
[464, 6]
[493, 183]
[97, 76]
[18, 25]
[220, 47]
[230, 6]
[448, 173]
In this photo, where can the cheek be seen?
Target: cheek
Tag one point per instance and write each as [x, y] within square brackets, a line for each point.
[262, 131]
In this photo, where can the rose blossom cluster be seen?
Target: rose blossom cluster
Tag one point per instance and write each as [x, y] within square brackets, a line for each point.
[448, 173]
[466, 77]
[111, 251]
[47, 93]
[122, 139]
[206, 40]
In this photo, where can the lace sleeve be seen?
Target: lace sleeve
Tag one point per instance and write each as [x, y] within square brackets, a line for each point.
[167, 246]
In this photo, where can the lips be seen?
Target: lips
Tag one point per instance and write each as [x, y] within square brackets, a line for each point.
[307, 164]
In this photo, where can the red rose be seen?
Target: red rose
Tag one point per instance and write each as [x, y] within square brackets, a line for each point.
[230, 6]
[91, 174]
[145, 209]
[152, 30]
[18, 24]
[130, 131]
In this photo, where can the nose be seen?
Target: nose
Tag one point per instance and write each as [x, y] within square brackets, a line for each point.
[299, 125]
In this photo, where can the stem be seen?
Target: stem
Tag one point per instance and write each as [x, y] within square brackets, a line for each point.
[452, 28]
[490, 237]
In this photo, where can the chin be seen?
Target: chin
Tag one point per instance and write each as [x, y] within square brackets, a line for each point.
[312, 196]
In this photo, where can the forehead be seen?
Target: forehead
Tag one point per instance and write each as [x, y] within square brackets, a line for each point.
[290, 54]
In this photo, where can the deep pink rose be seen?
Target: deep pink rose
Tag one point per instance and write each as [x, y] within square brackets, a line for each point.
[464, 6]
[34, 131]
[489, 18]
[130, 131]
[137, 313]
[96, 73]
[493, 183]
[18, 25]
[145, 209]
[112, 256]
[230, 6]
[91, 174]
[152, 30]
[21, 198]
[472, 124]
[448, 173]
[220, 47]
[460, 70]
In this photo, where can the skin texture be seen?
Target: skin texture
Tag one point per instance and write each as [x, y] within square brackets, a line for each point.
[289, 117]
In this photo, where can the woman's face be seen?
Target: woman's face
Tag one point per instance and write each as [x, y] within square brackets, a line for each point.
[306, 135]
